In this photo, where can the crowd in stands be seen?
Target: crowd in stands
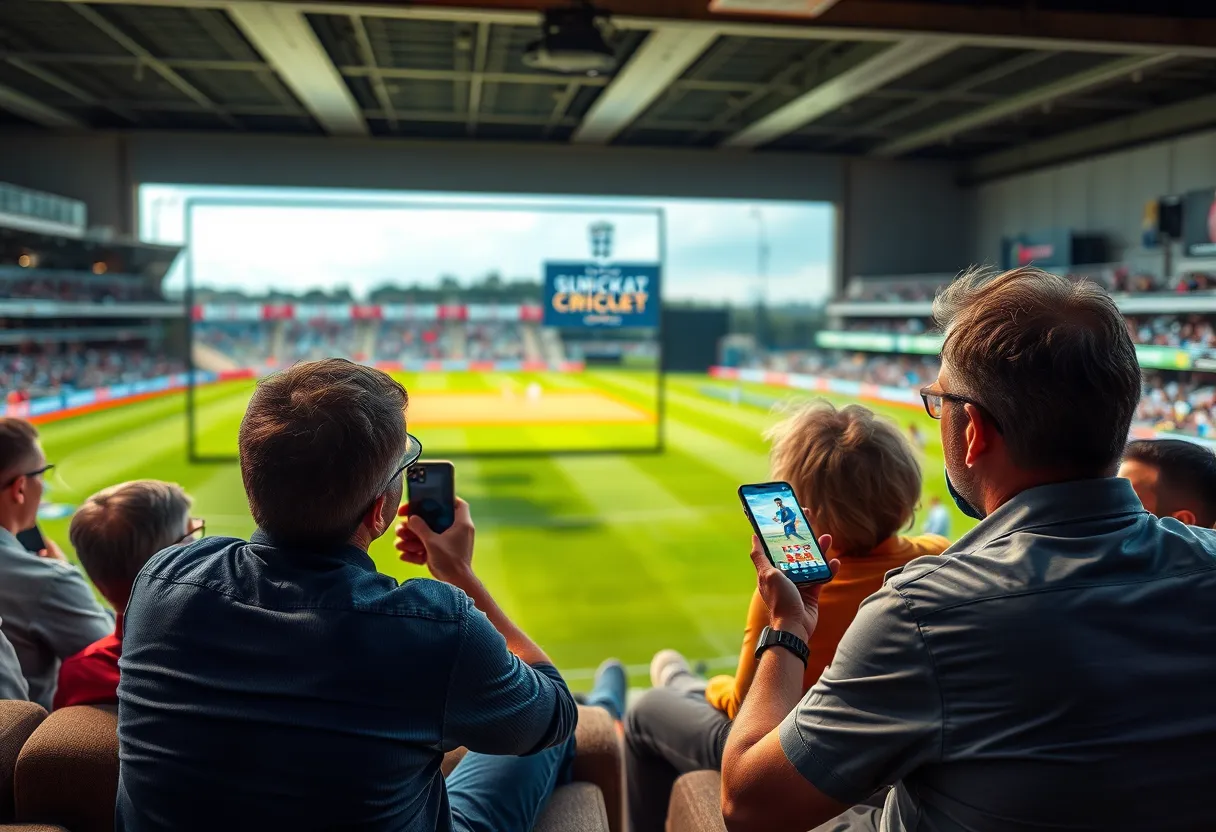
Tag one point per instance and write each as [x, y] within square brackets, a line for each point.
[917, 689]
[1117, 279]
[35, 371]
[279, 343]
[869, 368]
[79, 290]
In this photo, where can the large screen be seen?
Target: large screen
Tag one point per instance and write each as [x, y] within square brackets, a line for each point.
[517, 323]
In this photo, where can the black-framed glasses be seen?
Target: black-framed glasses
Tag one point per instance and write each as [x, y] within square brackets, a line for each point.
[413, 450]
[37, 473]
[198, 530]
[935, 402]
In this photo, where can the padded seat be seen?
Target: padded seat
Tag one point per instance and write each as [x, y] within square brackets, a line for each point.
[696, 803]
[67, 773]
[17, 721]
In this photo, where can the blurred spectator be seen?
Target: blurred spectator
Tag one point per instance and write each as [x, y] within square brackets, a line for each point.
[1173, 478]
[48, 610]
[115, 532]
[937, 520]
[12, 683]
[859, 480]
[870, 368]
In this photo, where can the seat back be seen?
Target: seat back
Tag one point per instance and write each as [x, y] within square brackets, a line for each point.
[17, 721]
[67, 772]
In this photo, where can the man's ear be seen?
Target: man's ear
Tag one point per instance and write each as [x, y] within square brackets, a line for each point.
[374, 519]
[17, 490]
[1185, 516]
[979, 434]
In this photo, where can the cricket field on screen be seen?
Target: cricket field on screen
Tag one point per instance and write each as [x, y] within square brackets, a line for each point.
[594, 555]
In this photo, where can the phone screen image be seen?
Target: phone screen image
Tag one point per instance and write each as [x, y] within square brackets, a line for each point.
[783, 528]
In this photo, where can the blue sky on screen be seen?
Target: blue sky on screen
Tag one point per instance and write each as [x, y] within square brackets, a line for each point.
[712, 245]
[764, 510]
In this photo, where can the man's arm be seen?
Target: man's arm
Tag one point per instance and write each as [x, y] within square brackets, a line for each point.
[761, 790]
[505, 696]
[69, 618]
[874, 716]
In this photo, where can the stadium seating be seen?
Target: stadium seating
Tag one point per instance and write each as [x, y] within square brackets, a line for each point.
[696, 804]
[63, 769]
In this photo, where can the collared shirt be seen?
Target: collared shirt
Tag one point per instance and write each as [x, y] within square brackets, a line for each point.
[1053, 669]
[268, 688]
[12, 683]
[48, 611]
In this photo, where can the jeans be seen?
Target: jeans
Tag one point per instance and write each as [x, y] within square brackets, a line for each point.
[489, 793]
[669, 731]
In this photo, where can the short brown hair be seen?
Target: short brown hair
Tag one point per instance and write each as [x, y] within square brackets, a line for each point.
[855, 473]
[1186, 475]
[17, 440]
[117, 530]
[1049, 359]
[318, 444]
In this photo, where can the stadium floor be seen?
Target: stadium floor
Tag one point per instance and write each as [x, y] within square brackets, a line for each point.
[595, 555]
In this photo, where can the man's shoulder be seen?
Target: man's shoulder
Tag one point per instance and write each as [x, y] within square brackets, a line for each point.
[237, 569]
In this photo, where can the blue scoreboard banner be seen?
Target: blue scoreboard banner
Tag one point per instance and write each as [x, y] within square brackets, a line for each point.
[612, 295]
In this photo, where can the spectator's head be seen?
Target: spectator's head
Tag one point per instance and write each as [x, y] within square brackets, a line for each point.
[1173, 478]
[1039, 382]
[855, 473]
[117, 530]
[322, 449]
[22, 466]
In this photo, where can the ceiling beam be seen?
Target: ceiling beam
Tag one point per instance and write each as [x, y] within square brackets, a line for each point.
[379, 88]
[1014, 104]
[1150, 125]
[288, 43]
[28, 108]
[660, 60]
[151, 61]
[481, 48]
[1013, 27]
[889, 64]
[63, 85]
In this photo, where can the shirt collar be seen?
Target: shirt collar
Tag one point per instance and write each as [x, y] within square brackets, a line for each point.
[1046, 505]
[344, 552]
[8, 540]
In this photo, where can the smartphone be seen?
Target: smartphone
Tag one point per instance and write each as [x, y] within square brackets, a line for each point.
[32, 539]
[787, 537]
[432, 493]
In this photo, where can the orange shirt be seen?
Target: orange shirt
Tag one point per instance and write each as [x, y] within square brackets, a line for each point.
[859, 577]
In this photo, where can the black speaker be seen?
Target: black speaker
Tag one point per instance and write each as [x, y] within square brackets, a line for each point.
[1169, 217]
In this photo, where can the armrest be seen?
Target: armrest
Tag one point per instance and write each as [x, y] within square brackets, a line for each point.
[17, 721]
[600, 759]
[696, 803]
[578, 807]
[67, 773]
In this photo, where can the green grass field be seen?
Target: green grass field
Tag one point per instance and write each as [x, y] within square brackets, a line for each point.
[594, 555]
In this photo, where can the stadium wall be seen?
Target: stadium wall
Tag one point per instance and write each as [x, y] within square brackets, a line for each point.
[882, 221]
[1101, 194]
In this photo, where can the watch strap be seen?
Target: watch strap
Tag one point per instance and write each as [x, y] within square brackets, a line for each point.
[780, 638]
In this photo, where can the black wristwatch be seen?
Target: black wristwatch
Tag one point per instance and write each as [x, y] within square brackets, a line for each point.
[780, 638]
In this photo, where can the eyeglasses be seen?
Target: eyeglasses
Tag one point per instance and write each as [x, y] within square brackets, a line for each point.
[413, 450]
[935, 402]
[37, 473]
[198, 530]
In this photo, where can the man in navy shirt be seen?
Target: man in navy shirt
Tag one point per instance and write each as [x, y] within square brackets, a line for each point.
[283, 683]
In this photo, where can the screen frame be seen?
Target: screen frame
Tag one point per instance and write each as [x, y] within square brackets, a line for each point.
[753, 488]
[191, 203]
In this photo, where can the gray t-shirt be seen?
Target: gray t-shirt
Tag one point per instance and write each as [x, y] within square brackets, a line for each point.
[1052, 670]
[12, 683]
[47, 612]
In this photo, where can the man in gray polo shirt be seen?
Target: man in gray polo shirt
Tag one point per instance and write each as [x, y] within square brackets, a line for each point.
[1053, 669]
[47, 610]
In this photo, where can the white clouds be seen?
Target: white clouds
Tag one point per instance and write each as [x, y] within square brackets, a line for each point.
[712, 246]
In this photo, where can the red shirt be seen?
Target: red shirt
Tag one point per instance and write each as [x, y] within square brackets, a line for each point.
[91, 676]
